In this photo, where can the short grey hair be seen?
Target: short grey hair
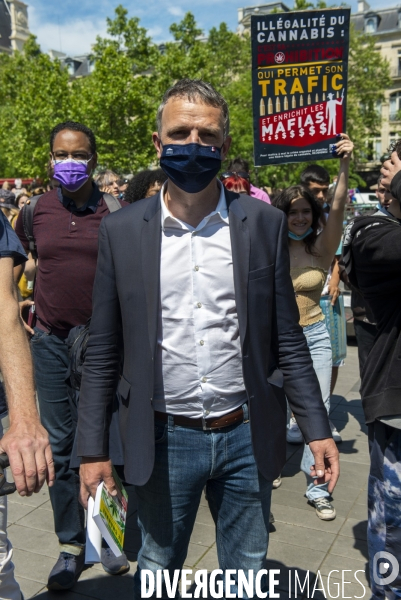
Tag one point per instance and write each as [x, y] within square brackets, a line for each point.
[105, 178]
[195, 89]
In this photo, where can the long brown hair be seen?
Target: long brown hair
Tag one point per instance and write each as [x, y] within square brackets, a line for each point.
[283, 202]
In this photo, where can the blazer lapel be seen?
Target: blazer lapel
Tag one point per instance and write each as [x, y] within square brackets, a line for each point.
[240, 247]
[150, 255]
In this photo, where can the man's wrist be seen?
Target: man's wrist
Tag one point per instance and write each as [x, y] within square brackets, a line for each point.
[31, 417]
[25, 422]
[321, 439]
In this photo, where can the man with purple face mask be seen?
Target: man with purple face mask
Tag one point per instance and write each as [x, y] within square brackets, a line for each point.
[65, 228]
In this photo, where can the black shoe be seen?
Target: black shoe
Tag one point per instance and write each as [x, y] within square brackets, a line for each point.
[114, 565]
[271, 518]
[66, 571]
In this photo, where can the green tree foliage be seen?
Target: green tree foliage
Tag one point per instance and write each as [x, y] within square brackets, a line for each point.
[368, 76]
[34, 95]
[119, 99]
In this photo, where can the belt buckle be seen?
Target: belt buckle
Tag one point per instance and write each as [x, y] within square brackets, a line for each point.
[205, 426]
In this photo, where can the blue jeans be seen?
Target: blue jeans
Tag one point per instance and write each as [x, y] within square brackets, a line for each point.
[50, 357]
[187, 460]
[384, 508]
[318, 341]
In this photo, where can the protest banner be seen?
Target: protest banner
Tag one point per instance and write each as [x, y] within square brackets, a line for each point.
[299, 84]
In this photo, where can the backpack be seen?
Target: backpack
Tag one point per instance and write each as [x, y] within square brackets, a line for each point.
[78, 337]
[28, 210]
[352, 230]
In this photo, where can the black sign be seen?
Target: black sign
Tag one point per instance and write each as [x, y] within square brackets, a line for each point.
[299, 84]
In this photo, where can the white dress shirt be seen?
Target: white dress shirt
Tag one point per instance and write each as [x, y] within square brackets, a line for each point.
[199, 360]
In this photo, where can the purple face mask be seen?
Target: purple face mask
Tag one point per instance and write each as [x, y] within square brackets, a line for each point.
[72, 174]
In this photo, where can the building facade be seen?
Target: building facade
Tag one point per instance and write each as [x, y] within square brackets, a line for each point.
[77, 66]
[385, 25]
[245, 14]
[14, 27]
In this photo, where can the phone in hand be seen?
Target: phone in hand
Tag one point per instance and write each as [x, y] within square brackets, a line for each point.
[32, 317]
[334, 149]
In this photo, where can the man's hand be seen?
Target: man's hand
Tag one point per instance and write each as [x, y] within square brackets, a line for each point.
[389, 169]
[23, 305]
[327, 466]
[93, 471]
[28, 448]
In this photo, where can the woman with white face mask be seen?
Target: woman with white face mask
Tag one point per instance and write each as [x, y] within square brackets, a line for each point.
[311, 254]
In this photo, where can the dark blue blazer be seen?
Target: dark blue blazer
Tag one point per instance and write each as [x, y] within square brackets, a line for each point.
[125, 314]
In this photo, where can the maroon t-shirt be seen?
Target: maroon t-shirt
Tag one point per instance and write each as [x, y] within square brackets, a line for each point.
[67, 246]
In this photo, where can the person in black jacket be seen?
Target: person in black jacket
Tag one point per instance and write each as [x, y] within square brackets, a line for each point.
[372, 256]
[195, 283]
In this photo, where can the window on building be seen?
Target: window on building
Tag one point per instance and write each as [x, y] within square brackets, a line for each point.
[70, 67]
[374, 149]
[371, 25]
[378, 149]
[399, 19]
[366, 107]
[393, 137]
[395, 107]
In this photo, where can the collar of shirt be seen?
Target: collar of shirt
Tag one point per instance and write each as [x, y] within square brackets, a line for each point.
[169, 221]
[91, 204]
[387, 213]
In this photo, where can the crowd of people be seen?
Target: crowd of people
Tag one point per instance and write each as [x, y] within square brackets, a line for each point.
[207, 348]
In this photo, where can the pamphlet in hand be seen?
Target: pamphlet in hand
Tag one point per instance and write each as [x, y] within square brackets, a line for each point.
[110, 514]
[93, 546]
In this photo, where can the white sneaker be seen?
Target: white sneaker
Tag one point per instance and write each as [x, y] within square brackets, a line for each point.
[294, 435]
[336, 436]
[277, 482]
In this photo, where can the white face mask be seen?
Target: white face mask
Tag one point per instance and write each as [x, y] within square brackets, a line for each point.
[58, 161]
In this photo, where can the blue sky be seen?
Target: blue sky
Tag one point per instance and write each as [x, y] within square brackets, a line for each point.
[72, 25]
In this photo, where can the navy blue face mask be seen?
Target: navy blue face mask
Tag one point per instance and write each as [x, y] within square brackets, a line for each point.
[191, 167]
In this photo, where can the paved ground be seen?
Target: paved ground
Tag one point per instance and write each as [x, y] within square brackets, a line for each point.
[298, 541]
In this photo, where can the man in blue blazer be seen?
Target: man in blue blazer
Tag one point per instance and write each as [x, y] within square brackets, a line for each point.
[193, 285]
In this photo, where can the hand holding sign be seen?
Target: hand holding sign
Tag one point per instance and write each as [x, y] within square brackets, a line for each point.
[344, 147]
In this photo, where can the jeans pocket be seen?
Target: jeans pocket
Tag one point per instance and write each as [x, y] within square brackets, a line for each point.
[160, 432]
[37, 336]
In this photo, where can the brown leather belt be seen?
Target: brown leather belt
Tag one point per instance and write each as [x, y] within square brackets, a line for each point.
[236, 416]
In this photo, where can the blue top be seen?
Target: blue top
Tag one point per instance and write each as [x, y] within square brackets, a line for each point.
[10, 247]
